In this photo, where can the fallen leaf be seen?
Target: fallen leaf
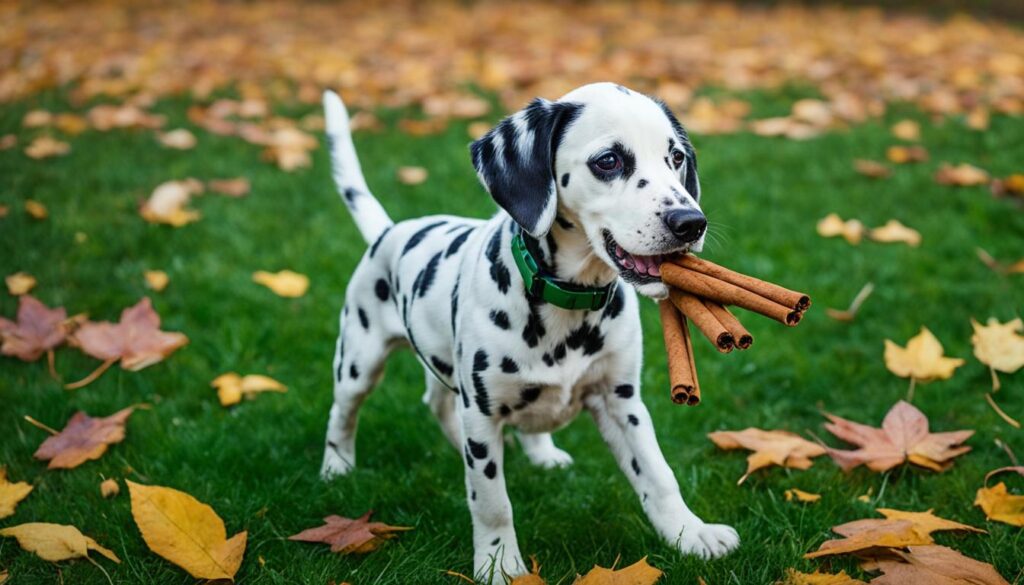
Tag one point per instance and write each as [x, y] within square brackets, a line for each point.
[105, 117]
[921, 360]
[178, 139]
[801, 496]
[84, 438]
[348, 536]
[109, 488]
[476, 130]
[998, 503]
[531, 578]
[284, 283]
[11, 493]
[639, 573]
[999, 346]
[4, 575]
[231, 387]
[186, 532]
[880, 535]
[1012, 185]
[46, 147]
[422, 127]
[906, 154]
[924, 522]
[8, 141]
[156, 280]
[37, 119]
[769, 448]
[933, 564]
[904, 436]
[978, 119]
[20, 283]
[36, 210]
[363, 120]
[70, 123]
[872, 169]
[794, 577]
[237, 187]
[167, 204]
[38, 330]
[4, 210]
[894, 231]
[56, 542]
[962, 175]
[136, 340]
[412, 175]
[832, 225]
[908, 130]
[289, 148]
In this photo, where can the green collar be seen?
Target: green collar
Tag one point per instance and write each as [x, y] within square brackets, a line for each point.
[557, 292]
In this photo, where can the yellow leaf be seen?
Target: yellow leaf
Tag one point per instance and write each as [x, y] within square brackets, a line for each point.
[412, 175]
[284, 283]
[1001, 506]
[906, 154]
[794, 577]
[872, 169]
[852, 230]
[962, 175]
[926, 522]
[45, 147]
[180, 139]
[801, 496]
[20, 283]
[769, 448]
[894, 231]
[36, 210]
[639, 573]
[55, 542]
[109, 488]
[999, 345]
[167, 204]
[908, 130]
[156, 280]
[11, 494]
[921, 360]
[531, 578]
[186, 532]
[231, 387]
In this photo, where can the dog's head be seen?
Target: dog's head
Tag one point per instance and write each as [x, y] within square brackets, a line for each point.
[615, 162]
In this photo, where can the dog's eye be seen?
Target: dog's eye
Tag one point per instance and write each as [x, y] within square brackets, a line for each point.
[678, 157]
[607, 162]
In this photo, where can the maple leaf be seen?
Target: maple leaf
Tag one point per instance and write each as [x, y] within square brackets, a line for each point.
[237, 187]
[136, 340]
[921, 360]
[852, 230]
[231, 387]
[894, 231]
[998, 503]
[179, 139]
[285, 283]
[412, 175]
[156, 280]
[186, 532]
[11, 494]
[639, 573]
[83, 438]
[794, 577]
[962, 175]
[19, 283]
[46, 147]
[167, 204]
[801, 496]
[999, 346]
[904, 436]
[289, 148]
[38, 329]
[908, 130]
[769, 448]
[531, 578]
[348, 536]
[933, 564]
[899, 529]
[56, 542]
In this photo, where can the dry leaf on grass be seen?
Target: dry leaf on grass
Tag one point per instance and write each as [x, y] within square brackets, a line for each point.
[289, 148]
[83, 438]
[237, 187]
[46, 147]
[906, 154]
[8, 141]
[801, 496]
[38, 329]
[852, 230]
[106, 117]
[4, 575]
[1011, 186]
[962, 175]
[168, 203]
[11, 493]
[998, 503]
[908, 130]
[231, 387]
[894, 231]
[978, 119]
[56, 542]
[933, 564]
[639, 573]
[899, 529]
[922, 360]
[156, 280]
[871, 169]
[284, 283]
[186, 532]
[794, 577]
[999, 346]
[4, 210]
[346, 535]
[109, 488]
[20, 283]
[36, 210]
[136, 340]
[412, 175]
[904, 436]
[769, 448]
[531, 578]
[179, 139]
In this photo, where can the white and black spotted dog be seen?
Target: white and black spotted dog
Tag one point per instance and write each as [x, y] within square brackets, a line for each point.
[597, 186]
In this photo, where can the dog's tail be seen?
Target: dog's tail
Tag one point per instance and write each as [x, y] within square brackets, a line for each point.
[369, 215]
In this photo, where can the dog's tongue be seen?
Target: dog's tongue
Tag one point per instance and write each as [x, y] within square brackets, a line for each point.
[644, 265]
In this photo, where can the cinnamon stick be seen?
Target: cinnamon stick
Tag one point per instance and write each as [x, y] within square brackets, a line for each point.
[682, 371]
[726, 293]
[695, 310]
[742, 338]
[783, 296]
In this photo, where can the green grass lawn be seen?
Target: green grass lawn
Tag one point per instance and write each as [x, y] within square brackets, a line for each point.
[257, 463]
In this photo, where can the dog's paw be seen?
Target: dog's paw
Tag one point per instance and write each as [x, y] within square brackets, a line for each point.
[488, 570]
[708, 541]
[334, 465]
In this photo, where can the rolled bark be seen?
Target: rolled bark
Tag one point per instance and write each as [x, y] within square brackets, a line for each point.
[725, 293]
[741, 337]
[682, 370]
[695, 310]
[789, 298]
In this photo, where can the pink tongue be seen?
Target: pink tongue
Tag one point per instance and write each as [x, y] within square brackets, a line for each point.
[654, 270]
[641, 264]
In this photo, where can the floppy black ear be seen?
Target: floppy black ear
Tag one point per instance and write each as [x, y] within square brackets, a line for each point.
[515, 162]
[689, 171]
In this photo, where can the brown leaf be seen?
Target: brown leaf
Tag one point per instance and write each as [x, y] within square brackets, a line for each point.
[136, 340]
[20, 283]
[38, 329]
[639, 573]
[908, 130]
[106, 117]
[904, 436]
[156, 280]
[36, 210]
[922, 359]
[56, 542]
[998, 503]
[879, 535]
[934, 565]
[8, 141]
[906, 154]
[168, 203]
[531, 578]
[178, 139]
[1012, 185]
[962, 175]
[46, 147]
[237, 187]
[852, 230]
[109, 488]
[11, 494]
[999, 346]
[412, 175]
[349, 536]
[83, 438]
[894, 231]
[872, 169]
[794, 577]
[769, 448]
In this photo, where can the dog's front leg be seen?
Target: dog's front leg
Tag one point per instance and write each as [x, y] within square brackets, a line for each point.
[626, 426]
[495, 549]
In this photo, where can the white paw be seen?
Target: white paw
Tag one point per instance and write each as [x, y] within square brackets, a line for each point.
[708, 541]
[550, 458]
[334, 465]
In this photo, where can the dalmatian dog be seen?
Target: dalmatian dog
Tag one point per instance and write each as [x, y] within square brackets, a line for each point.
[599, 186]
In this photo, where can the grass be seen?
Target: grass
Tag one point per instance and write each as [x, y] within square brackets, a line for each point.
[257, 464]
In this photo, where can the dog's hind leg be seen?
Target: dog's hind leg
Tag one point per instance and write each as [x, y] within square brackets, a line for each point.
[441, 401]
[540, 449]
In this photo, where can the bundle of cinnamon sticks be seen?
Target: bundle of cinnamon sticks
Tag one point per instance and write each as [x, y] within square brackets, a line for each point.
[701, 291]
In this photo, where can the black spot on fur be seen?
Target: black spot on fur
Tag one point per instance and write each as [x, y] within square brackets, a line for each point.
[442, 366]
[615, 304]
[417, 237]
[504, 410]
[534, 330]
[469, 459]
[565, 223]
[622, 89]
[508, 365]
[530, 394]
[472, 496]
[353, 371]
[457, 242]
[496, 541]
[548, 360]
[483, 401]
[455, 303]
[350, 195]
[586, 336]
[363, 319]
[426, 276]
[499, 272]
[636, 466]
[559, 353]
[480, 361]
[641, 184]
[465, 396]
[624, 390]
[382, 289]
[500, 318]
[479, 450]
[376, 243]
[565, 180]
[633, 420]
[491, 470]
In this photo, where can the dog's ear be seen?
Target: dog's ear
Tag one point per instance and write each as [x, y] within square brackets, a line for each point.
[689, 171]
[515, 162]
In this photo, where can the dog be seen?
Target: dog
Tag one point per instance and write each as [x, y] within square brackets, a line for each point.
[594, 189]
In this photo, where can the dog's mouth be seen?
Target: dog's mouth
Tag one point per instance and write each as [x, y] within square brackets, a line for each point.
[635, 268]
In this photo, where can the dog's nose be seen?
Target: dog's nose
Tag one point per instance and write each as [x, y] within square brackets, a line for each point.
[686, 224]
